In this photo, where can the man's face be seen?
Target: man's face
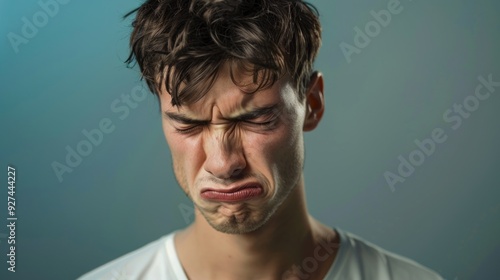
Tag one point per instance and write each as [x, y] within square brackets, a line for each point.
[237, 155]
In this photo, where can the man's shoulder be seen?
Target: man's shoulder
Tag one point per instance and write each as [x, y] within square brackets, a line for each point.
[360, 258]
[132, 264]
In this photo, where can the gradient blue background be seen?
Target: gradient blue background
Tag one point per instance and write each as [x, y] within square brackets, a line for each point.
[123, 195]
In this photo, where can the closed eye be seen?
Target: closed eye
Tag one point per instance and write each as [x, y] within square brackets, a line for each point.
[187, 130]
[267, 125]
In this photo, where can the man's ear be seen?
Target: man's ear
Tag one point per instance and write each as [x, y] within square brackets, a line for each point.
[314, 101]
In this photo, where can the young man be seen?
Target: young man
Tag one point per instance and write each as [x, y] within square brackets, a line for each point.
[237, 90]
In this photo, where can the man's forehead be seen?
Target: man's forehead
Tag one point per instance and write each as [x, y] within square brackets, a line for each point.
[230, 99]
[244, 75]
[227, 105]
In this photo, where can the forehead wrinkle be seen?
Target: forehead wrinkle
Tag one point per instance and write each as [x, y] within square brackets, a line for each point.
[233, 110]
[239, 114]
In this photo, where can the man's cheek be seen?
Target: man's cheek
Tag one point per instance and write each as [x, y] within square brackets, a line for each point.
[268, 150]
[180, 174]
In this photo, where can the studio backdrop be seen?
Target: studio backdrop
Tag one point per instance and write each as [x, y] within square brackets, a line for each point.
[407, 155]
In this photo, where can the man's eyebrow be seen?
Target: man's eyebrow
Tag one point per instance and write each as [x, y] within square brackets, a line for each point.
[178, 117]
[253, 114]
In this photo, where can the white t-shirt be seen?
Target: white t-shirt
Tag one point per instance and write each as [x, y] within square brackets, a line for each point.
[356, 259]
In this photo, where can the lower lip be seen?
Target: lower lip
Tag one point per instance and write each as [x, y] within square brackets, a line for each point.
[240, 195]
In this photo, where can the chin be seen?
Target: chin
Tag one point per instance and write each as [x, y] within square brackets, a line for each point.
[244, 221]
[231, 226]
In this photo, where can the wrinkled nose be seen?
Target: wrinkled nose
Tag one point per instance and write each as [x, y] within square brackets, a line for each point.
[224, 156]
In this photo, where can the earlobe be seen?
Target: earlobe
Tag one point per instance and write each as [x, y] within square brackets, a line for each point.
[314, 101]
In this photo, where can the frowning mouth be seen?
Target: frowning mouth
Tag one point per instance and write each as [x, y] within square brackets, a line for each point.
[232, 194]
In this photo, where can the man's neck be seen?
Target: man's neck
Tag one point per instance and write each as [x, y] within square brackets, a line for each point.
[279, 246]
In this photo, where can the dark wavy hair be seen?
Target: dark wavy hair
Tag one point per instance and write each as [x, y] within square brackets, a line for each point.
[181, 44]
